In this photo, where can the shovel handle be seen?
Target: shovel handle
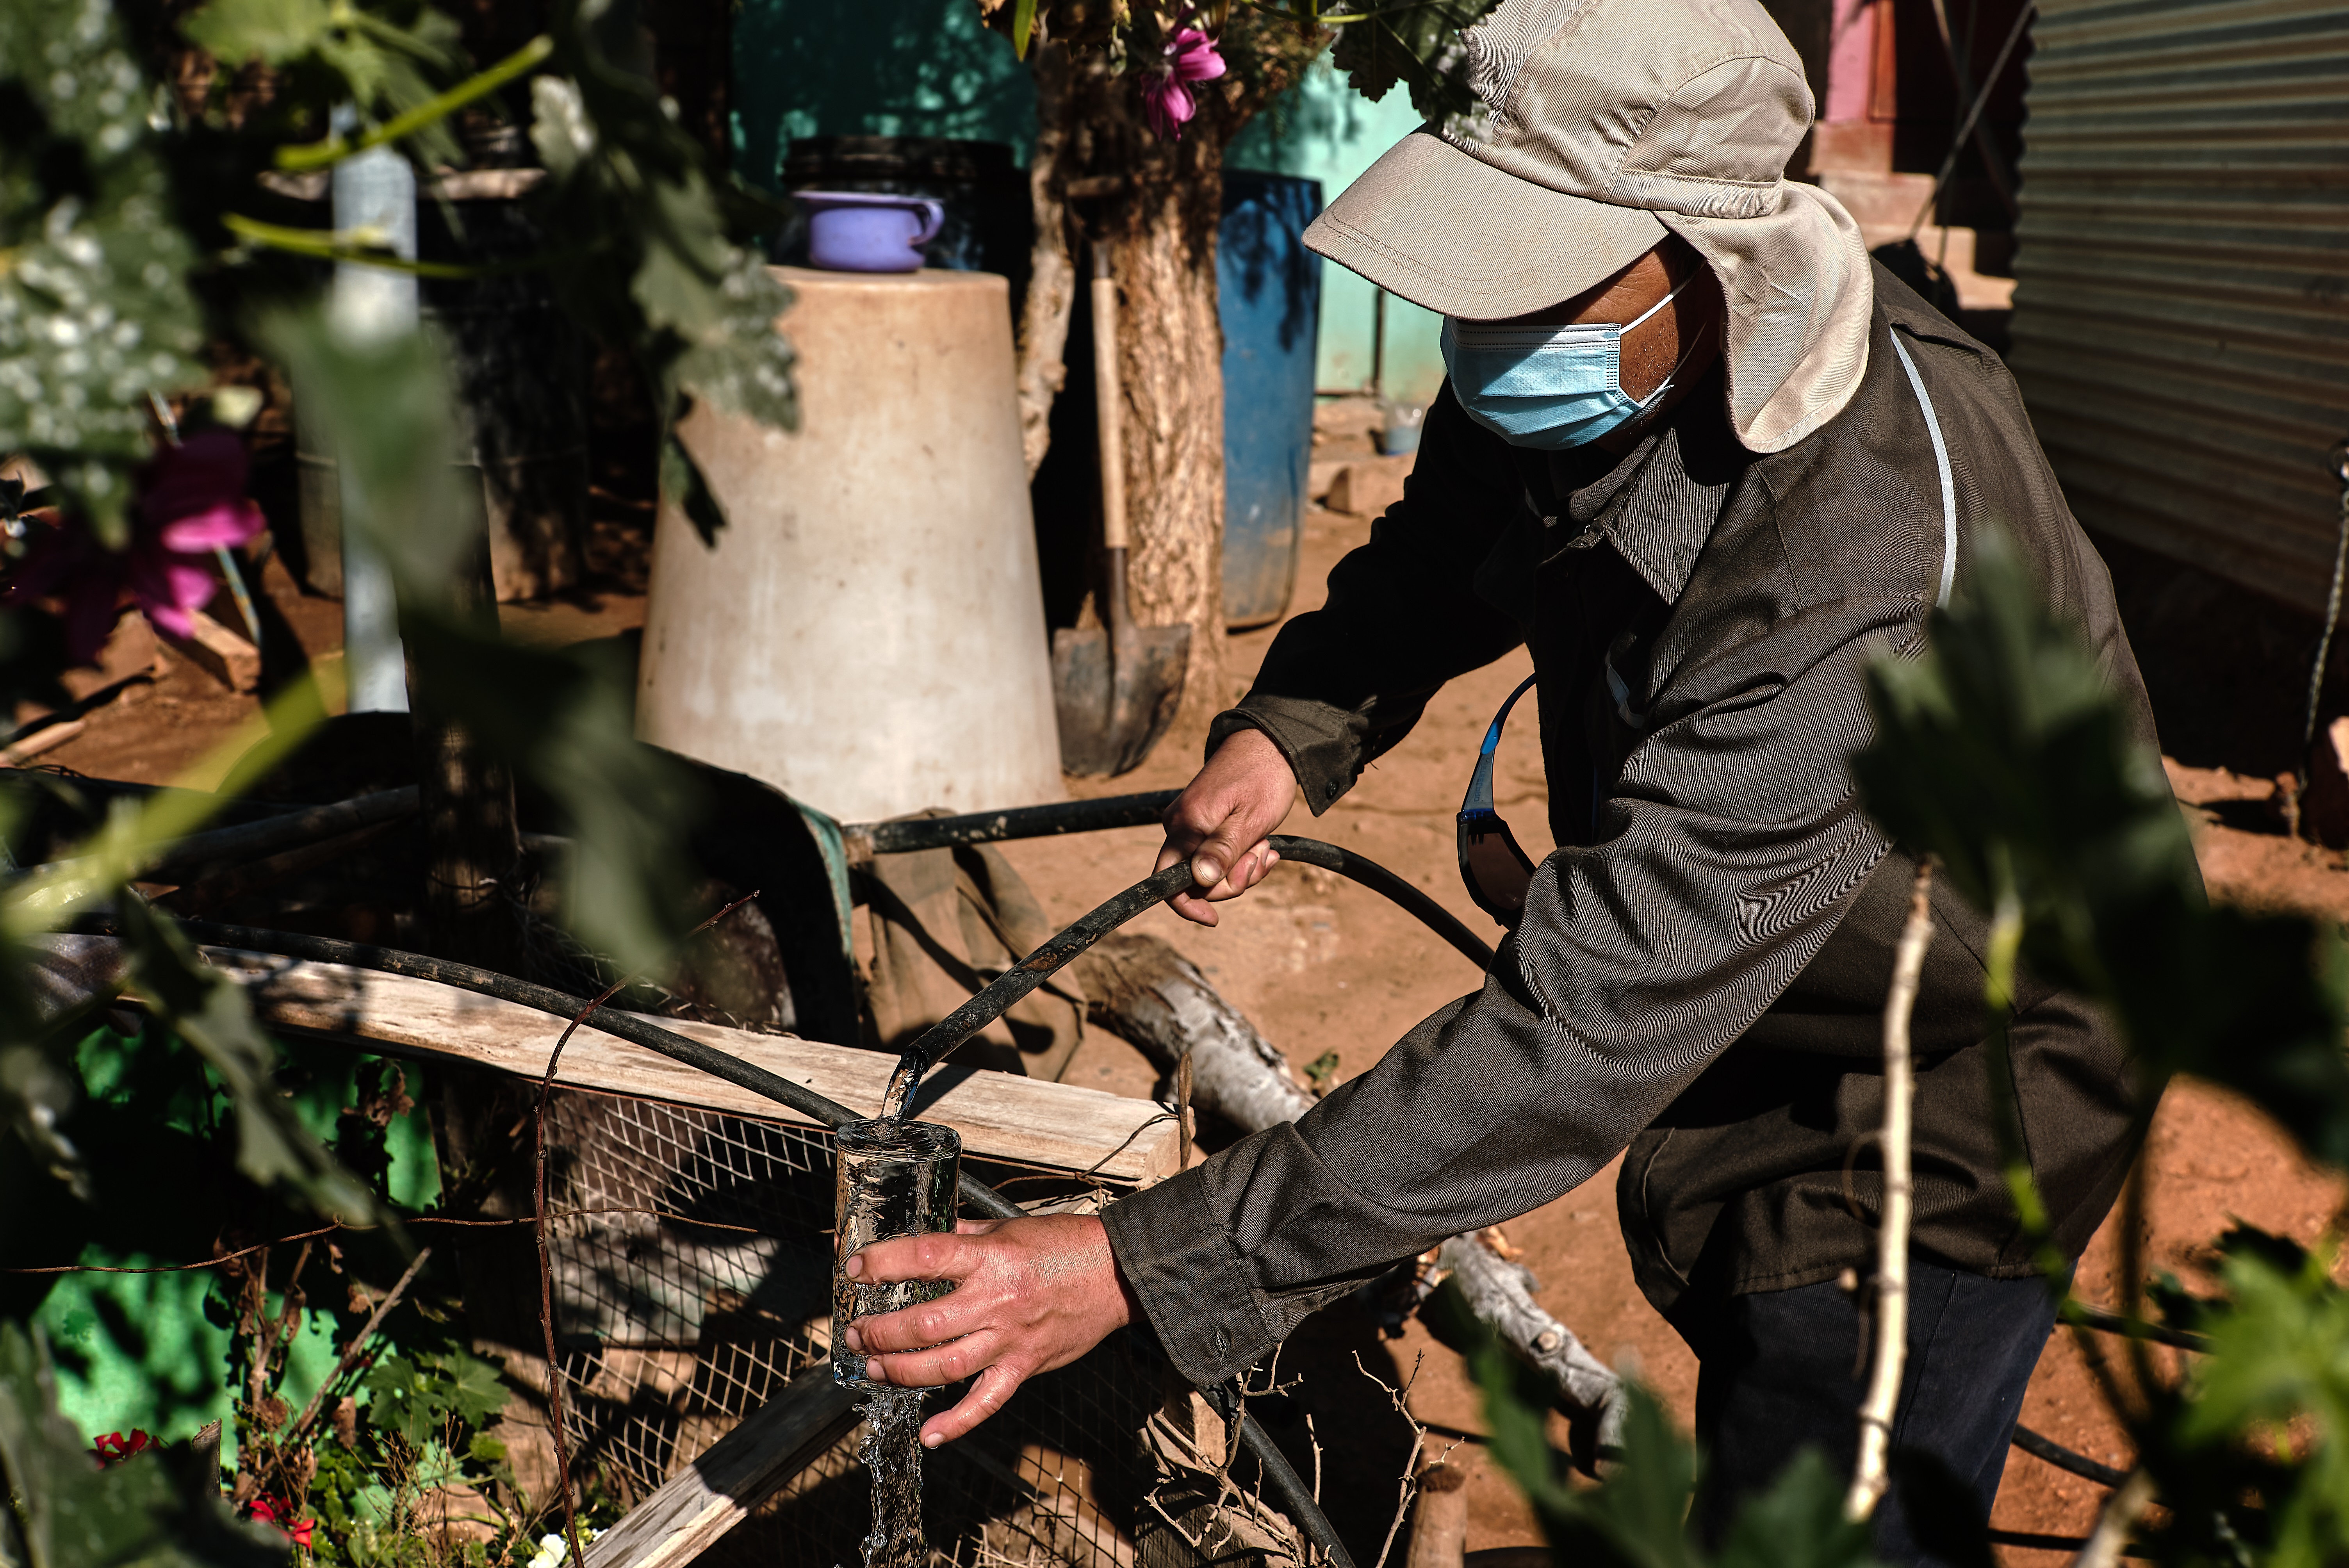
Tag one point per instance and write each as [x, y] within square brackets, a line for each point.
[1108, 405]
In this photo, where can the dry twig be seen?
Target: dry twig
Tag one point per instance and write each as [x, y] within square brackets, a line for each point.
[355, 1348]
[1412, 1469]
[1869, 1478]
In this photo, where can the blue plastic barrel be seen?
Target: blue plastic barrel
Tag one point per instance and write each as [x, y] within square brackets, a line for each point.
[1269, 287]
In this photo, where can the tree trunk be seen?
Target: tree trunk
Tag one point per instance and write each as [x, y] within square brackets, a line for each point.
[1159, 220]
[1157, 205]
[1052, 271]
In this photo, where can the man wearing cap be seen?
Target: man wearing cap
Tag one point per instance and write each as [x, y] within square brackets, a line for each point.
[1704, 460]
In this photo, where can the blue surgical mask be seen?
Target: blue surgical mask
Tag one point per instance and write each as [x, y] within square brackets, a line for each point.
[1548, 388]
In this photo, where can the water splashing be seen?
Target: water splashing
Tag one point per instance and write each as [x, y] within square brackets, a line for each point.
[895, 1179]
[903, 1081]
[892, 1452]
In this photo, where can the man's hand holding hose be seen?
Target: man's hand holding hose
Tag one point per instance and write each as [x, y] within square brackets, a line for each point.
[1034, 1295]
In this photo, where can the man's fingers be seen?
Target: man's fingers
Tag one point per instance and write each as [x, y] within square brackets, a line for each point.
[1224, 855]
[936, 1256]
[938, 1365]
[986, 1396]
[1193, 908]
[925, 1323]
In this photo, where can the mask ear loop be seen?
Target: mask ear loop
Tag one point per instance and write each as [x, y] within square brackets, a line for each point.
[1660, 305]
[1666, 384]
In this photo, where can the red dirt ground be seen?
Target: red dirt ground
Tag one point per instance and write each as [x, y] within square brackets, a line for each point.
[1321, 966]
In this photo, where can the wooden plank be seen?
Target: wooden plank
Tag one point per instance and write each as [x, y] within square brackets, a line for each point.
[220, 652]
[718, 1489]
[999, 1115]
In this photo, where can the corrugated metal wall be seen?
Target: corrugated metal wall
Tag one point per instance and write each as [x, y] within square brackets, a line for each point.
[2181, 322]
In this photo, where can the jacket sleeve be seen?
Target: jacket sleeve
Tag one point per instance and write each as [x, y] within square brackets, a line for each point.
[1730, 849]
[1344, 683]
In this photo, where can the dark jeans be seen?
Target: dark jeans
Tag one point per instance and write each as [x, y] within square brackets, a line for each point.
[1781, 1371]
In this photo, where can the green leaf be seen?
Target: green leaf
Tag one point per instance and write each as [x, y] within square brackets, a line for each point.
[563, 719]
[642, 254]
[209, 1011]
[1635, 1520]
[1638, 1517]
[560, 719]
[156, 1510]
[684, 487]
[2005, 751]
[1415, 42]
[1799, 1523]
[388, 57]
[383, 408]
[417, 1395]
[275, 32]
[95, 310]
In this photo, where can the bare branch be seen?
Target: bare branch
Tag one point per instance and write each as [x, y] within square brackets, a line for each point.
[1876, 1410]
[1500, 1294]
[2111, 1534]
[355, 1348]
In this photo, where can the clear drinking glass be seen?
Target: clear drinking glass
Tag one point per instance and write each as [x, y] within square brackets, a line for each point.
[895, 1178]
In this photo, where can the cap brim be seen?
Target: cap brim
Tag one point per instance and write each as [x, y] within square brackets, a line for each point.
[1450, 232]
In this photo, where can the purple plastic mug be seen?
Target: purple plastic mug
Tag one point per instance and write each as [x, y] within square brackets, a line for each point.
[865, 231]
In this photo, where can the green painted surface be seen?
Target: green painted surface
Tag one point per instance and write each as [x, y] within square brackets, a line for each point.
[141, 1351]
[925, 68]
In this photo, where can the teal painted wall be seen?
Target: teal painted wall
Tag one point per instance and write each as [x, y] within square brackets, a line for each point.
[852, 67]
[926, 67]
[1323, 130]
[140, 1350]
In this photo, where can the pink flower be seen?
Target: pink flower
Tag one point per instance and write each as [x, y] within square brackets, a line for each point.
[1166, 97]
[114, 1448]
[192, 500]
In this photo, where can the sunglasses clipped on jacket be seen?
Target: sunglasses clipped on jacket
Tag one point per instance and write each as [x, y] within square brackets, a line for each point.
[1495, 868]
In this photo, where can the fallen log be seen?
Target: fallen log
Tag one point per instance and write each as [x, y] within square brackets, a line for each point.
[1145, 991]
[1501, 1296]
[1150, 994]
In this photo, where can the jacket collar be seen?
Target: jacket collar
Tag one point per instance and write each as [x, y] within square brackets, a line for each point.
[1658, 505]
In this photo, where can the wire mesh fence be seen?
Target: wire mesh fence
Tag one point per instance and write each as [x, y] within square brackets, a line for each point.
[674, 1324]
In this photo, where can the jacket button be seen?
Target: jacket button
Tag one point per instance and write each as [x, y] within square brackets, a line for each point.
[1329, 790]
[1222, 1340]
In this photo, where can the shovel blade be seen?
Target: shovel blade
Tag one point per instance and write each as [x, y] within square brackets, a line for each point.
[1115, 697]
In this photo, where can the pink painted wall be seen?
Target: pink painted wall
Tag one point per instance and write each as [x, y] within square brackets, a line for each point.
[1851, 58]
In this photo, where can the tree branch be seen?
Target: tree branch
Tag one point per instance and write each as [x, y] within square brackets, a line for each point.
[1876, 1410]
[355, 1348]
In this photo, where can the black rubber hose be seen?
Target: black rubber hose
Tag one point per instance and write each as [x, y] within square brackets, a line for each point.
[2080, 1315]
[1361, 869]
[2062, 1458]
[914, 833]
[1032, 971]
[1278, 1472]
[1138, 810]
[1284, 1480]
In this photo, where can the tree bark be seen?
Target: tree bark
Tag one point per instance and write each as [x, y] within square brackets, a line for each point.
[1158, 205]
[1052, 271]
